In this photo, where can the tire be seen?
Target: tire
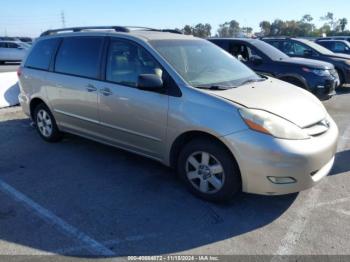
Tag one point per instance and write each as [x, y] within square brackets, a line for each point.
[45, 124]
[215, 180]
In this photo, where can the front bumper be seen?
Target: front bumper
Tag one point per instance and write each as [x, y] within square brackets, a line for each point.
[326, 89]
[24, 102]
[261, 156]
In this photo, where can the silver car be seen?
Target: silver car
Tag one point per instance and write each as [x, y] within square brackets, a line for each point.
[12, 51]
[182, 101]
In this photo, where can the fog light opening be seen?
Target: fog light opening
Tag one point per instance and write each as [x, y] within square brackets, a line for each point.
[281, 180]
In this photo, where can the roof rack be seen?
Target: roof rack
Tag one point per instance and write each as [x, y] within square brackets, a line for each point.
[276, 37]
[123, 29]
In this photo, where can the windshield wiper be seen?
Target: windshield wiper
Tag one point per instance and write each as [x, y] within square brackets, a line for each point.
[215, 87]
[252, 81]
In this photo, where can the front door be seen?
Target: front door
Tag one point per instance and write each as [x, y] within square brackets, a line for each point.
[132, 118]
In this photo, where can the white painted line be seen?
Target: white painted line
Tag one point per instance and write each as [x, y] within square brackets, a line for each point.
[297, 227]
[334, 202]
[342, 211]
[344, 139]
[93, 246]
[69, 250]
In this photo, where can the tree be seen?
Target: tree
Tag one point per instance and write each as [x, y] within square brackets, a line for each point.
[330, 20]
[307, 19]
[265, 27]
[306, 28]
[187, 30]
[343, 23]
[199, 30]
[277, 27]
[247, 30]
[202, 30]
[229, 29]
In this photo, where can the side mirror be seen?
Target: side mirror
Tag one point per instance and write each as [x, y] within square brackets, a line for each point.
[256, 60]
[150, 82]
[307, 53]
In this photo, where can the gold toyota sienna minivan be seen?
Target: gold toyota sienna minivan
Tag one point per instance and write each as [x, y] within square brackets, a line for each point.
[182, 101]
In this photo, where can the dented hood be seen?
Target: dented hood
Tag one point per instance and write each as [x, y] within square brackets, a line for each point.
[280, 98]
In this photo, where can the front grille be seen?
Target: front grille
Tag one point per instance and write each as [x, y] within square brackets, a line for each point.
[317, 129]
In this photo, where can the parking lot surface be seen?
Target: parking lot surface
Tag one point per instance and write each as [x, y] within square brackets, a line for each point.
[79, 198]
[9, 67]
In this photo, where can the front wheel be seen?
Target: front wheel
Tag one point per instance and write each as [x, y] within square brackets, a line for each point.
[46, 124]
[209, 170]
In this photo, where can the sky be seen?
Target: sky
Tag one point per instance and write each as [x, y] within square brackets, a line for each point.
[31, 17]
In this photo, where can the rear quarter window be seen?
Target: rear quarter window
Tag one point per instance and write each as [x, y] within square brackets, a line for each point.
[41, 54]
[79, 56]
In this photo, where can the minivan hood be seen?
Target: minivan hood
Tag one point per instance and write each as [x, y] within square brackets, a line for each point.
[280, 98]
[307, 62]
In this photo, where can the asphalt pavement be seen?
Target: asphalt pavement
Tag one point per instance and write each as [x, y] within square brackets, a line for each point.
[78, 198]
[9, 67]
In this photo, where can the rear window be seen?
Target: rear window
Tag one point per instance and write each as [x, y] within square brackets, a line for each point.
[79, 56]
[41, 54]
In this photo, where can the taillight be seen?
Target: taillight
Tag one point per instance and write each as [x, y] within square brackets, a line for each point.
[19, 71]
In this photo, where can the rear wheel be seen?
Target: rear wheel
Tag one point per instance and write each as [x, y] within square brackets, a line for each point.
[46, 124]
[209, 170]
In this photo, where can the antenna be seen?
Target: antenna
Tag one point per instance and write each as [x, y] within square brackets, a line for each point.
[63, 19]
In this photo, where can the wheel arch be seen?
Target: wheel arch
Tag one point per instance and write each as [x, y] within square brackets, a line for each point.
[341, 75]
[285, 77]
[34, 102]
[188, 136]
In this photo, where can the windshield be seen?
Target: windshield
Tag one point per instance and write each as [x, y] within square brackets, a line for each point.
[203, 64]
[270, 51]
[317, 47]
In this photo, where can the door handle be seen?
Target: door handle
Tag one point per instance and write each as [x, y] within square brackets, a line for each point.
[106, 91]
[91, 88]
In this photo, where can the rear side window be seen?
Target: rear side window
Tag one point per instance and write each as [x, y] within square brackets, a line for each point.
[328, 45]
[275, 44]
[80, 56]
[221, 43]
[340, 47]
[41, 54]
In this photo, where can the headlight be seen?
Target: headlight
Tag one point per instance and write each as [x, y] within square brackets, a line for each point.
[270, 124]
[319, 72]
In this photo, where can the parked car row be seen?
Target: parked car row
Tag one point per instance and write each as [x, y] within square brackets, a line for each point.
[185, 102]
[13, 51]
[336, 46]
[318, 77]
[297, 47]
[27, 40]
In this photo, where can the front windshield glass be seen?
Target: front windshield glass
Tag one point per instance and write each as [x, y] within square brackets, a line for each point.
[317, 47]
[203, 64]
